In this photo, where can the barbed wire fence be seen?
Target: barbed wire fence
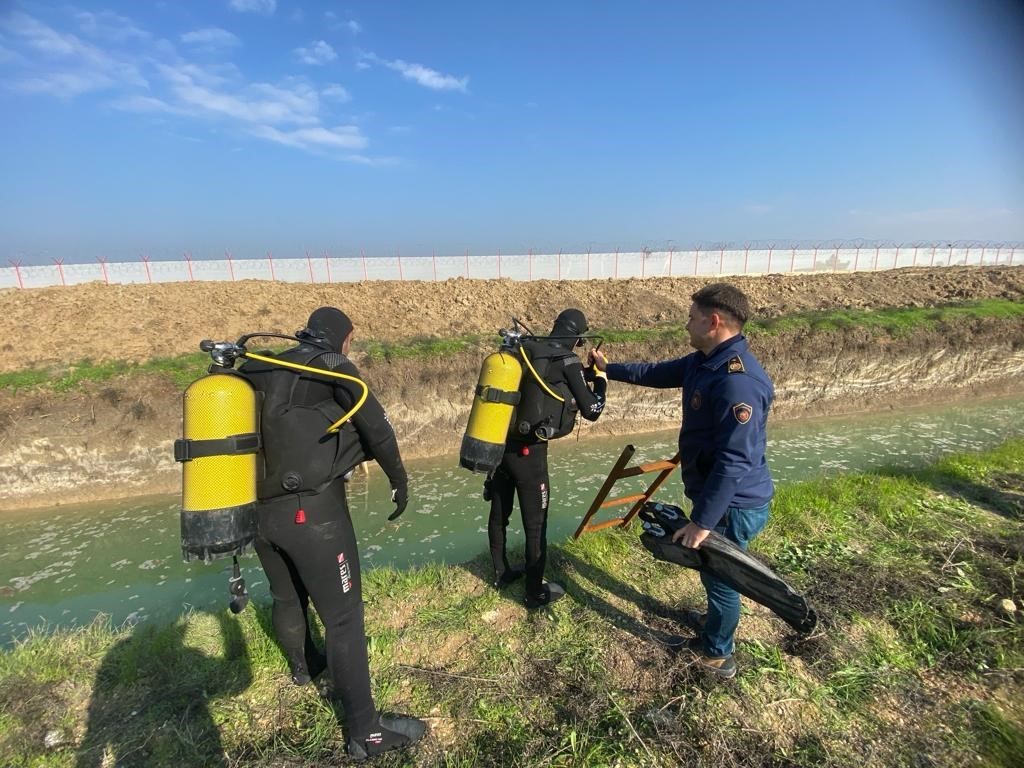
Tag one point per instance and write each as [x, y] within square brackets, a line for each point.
[661, 259]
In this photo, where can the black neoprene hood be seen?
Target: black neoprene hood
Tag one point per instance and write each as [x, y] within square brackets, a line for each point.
[329, 324]
[570, 322]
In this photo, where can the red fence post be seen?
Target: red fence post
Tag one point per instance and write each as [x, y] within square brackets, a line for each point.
[814, 264]
[696, 256]
[915, 255]
[981, 262]
[835, 260]
[931, 262]
[103, 266]
[999, 250]
[874, 267]
[669, 262]
[188, 263]
[149, 275]
[643, 263]
[60, 269]
[270, 260]
[401, 276]
[856, 259]
[327, 261]
[770, 249]
[434, 259]
[949, 259]
[309, 266]
[746, 257]
[896, 258]
[792, 260]
[231, 267]
[721, 259]
[362, 256]
[1012, 250]
[17, 272]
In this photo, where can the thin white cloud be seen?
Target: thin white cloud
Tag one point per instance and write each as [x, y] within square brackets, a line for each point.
[341, 137]
[109, 26]
[87, 63]
[210, 37]
[49, 60]
[255, 103]
[336, 92]
[425, 76]
[316, 53]
[757, 209]
[64, 85]
[354, 26]
[262, 7]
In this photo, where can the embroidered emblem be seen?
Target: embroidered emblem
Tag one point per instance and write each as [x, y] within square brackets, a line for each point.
[696, 400]
[742, 412]
[736, 365]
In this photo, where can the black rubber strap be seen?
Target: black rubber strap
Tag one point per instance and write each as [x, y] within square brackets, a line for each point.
[234, 445]
[493, 395]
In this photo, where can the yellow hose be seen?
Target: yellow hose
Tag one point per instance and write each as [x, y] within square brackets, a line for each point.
[540, 381]
[320, 372]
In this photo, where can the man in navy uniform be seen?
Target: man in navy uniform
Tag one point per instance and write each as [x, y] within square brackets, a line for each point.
[726, 397]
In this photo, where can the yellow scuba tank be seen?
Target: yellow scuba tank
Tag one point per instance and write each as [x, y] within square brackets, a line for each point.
[218, 455]
[219, 452]
[497, 394]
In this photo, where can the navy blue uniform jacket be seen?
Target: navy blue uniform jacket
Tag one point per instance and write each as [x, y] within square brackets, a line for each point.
[726, 397]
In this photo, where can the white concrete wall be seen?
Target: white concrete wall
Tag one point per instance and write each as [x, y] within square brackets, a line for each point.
[566, 266]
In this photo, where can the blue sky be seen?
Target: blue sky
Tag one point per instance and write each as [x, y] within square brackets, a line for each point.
[286, 125]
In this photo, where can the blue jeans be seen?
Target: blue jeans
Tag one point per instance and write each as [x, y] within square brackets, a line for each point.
[740, 526]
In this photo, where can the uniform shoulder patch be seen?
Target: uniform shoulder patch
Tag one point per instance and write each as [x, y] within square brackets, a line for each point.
[742, 412]
[735, 365]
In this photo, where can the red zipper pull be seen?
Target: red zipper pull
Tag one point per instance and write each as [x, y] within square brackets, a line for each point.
[300, 517]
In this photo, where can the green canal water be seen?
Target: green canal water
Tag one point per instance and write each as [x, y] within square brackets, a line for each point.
[64, 566]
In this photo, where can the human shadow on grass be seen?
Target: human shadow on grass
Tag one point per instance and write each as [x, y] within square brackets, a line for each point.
[585, 583]
[150, 699]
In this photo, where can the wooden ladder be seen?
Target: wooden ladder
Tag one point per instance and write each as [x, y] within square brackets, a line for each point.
[620, 471]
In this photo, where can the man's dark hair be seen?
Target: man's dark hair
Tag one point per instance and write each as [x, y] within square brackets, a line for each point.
[724, 297]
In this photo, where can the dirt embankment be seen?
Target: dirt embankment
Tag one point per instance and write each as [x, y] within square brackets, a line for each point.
[114, 438]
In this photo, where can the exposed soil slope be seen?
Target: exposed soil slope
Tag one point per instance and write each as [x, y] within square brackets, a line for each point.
[114, 438]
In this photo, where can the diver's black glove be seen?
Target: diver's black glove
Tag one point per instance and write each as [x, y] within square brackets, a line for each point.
[399, 495]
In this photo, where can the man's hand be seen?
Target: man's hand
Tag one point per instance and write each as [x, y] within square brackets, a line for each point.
[400, 496]
[691, 535]
[597, 359]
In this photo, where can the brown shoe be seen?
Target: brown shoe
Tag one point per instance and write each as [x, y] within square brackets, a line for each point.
[722, 666]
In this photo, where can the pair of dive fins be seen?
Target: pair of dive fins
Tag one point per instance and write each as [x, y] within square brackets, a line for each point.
[723, 558]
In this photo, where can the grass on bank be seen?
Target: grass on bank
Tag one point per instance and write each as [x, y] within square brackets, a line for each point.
[183, 369]
[914, 663]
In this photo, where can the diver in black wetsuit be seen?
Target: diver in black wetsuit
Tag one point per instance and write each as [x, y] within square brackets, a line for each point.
[540, 417]
[306, 542]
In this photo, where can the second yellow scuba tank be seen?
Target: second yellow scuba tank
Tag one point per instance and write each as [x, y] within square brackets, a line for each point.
[494, 405]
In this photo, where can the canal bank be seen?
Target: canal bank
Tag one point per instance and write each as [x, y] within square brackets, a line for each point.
[112, 438]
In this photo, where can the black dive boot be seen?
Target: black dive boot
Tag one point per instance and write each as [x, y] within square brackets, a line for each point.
[306, 671]
[387, 733]
[549, 593]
